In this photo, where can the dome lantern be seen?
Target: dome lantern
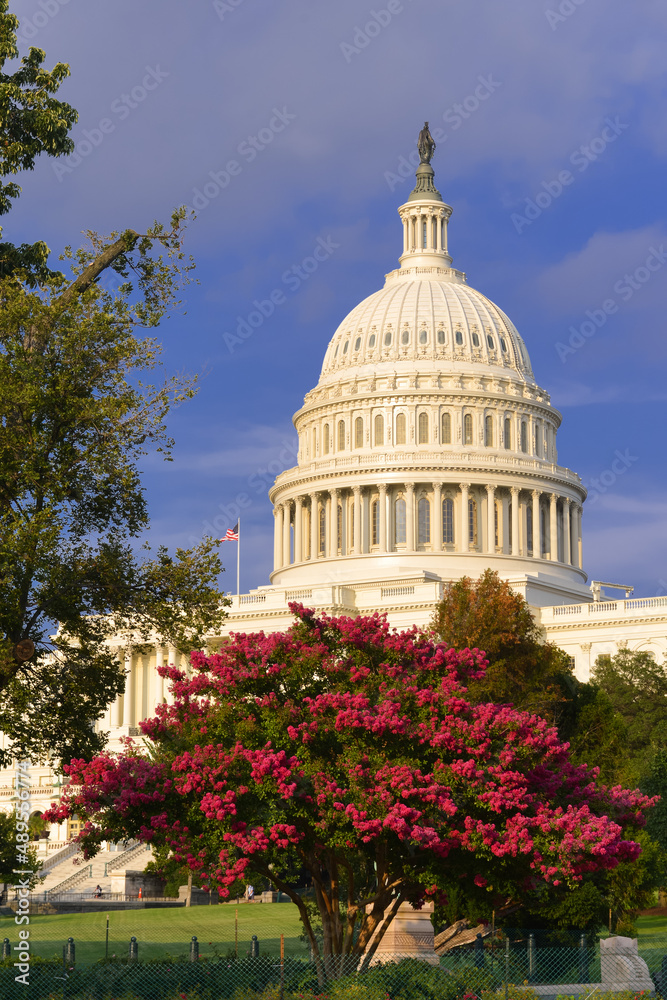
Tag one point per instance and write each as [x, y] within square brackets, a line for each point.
[425, 215]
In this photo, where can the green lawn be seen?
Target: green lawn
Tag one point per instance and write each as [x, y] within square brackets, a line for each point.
[652, 926]
[161, 933]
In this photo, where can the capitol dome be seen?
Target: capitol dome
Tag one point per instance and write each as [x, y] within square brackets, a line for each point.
[424, 316]
[426, 445]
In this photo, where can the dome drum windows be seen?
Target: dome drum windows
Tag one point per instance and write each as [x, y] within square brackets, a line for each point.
[375, 522]
[475, 339]
[490, 342]
[378, 427]
[472, 522]
[424, 521]
[488, 431]
[400, 521]
[423, 428]
[441, 337]
[371, 340]
[447, 521]
[467, 428]
[401, 429]
[325, 439]
[405, 337]
[458, 336]
[508, 433]
[446, 429]
[359, 432]
[357, 343]
[387, 339]
[341, 435]
[423, 336]
[524, 437]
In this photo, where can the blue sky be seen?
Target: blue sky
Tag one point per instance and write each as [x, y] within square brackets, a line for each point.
[299, 117]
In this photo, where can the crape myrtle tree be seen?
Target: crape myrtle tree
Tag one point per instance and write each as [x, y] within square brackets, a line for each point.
[81, 401]
[354, 752]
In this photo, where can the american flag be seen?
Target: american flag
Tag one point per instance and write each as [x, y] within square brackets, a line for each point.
[232, 534]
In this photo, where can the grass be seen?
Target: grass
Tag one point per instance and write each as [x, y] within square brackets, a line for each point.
[165, 933]
[651, 926]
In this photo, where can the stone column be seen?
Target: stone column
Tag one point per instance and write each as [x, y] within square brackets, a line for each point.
[553, 528]
[567, 538]
[464, 543]
[333, 524]
[159, 681]
[130, 698]
[516, 541]
[314, 526]
[278, 536]
[537, 526]
[410, 518]
[578, 552]
[357, 532]
[382, 504]
[436, 520]
[491, 519]
[506, 524]
[287, 536]
[114, 713]
[298, 530]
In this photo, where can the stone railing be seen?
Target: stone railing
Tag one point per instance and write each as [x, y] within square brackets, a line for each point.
[634, 607]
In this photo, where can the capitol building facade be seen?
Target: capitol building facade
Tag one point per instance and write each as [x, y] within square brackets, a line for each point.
[427, 452]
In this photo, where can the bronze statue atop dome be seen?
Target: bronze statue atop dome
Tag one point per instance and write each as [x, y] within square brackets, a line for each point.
[425, 145]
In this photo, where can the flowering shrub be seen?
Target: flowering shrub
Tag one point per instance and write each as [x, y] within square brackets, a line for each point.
[348, 753]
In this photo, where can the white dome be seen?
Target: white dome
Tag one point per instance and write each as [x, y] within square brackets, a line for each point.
[427, 317]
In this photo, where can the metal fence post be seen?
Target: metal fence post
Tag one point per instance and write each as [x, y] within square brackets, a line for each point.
[479, 952]
[531, 956]
[69, 952]
[134, 949]
[194, 949]
[507, 966]
[254, 947]
[6, 949]
[583, 960]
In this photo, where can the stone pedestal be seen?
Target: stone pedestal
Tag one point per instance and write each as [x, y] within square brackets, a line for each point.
[410, 935]
[621, 967]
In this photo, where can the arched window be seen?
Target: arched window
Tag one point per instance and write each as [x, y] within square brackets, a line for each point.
[543, 522]
[424, 521]
[379, 429]
[405, 337]
[446, 430]
[488, 431]
[359, 432]
[399, 521]
[325, 442]
[400, 429]
[467, 428]
[508, 433]
[475, 340]
[375, 522]
[459, 338]
[529, 528]
[441, 336]
[341, 435]
[537, 440]
[323, 530]
[387, 338]
[371, 340]
[423, 336]
[339, 528]
[447, 521]
[472, 521]
[524, 437]
[423, 428]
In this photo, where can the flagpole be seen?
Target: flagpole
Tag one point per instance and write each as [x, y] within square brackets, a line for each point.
[238, 568]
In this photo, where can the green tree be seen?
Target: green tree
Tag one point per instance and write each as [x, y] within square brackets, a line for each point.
[487, 614]
[32, 121]
[76, 418]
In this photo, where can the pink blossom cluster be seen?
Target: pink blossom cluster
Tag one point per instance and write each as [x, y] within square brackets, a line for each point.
[345, 736]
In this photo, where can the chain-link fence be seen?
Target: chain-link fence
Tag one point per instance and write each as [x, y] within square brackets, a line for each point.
[523, 966]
